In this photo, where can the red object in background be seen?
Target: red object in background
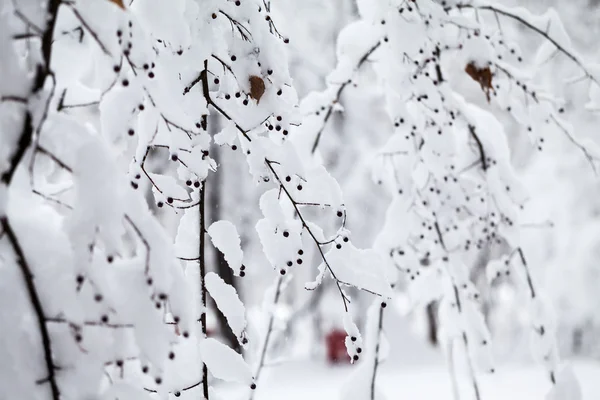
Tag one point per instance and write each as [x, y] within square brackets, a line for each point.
[336, 347]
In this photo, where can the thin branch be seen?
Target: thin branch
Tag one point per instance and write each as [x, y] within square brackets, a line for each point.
[307, 228]
[203, 290]
[377, 346]
[527, 274]
[589, 157]
[338, 95]
[89, 29]
[36, 304]
[203, 77]
[482, 157]
[459, 308]
[58, 320]
[267, 339]
[15, 99]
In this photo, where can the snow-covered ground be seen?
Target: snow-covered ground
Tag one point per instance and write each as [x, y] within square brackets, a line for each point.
[312, 381]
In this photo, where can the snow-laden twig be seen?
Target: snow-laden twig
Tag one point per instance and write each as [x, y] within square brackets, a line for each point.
[318, 244]
[330, 108]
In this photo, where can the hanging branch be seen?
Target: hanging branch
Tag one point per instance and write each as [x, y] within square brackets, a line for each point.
[541, 331]
[377, 346]
[267, 340]
[314, 238]
[514, 16]
[459, 308]
[338, 95]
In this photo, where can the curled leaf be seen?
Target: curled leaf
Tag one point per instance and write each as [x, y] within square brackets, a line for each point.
[483, 76]
[257, 87]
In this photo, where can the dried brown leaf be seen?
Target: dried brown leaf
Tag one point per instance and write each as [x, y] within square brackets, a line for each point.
[483, 76]
[119, 3]
[257, 87]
